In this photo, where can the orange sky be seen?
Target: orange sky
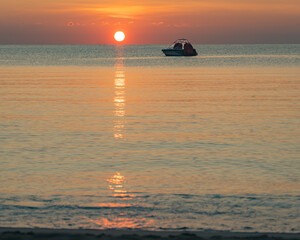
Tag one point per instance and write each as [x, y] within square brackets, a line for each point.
[149, 21]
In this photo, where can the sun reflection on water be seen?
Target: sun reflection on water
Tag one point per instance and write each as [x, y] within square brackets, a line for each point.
[119, 96]
[123, 222]
[124, 200]
[117, 218]
[116, 184]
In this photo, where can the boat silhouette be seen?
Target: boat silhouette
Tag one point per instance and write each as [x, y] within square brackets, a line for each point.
[180, 47]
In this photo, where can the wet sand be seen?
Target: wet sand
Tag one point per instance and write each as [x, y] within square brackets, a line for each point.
[89, 234]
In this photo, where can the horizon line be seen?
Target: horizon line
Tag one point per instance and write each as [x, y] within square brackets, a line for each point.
[136, 44]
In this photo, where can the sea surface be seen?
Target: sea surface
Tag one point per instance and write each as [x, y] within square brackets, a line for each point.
[122, 137]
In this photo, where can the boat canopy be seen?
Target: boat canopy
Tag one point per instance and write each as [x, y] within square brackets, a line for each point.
[179, 43]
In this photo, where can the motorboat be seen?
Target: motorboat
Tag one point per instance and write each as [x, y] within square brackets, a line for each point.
[180, 47]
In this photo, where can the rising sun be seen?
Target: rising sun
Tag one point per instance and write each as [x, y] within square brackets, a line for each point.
[119, 36]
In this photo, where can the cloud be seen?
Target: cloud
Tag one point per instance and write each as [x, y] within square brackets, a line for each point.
[181, 25]
[157, 23]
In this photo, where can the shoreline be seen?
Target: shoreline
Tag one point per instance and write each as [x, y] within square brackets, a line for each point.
[7, 233]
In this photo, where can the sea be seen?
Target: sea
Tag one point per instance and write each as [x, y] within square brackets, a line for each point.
[122, 137]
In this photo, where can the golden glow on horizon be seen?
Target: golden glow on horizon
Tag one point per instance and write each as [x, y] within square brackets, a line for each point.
[119, 36]
[149, 22]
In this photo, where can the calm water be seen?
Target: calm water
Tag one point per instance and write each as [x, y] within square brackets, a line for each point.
[123, 137]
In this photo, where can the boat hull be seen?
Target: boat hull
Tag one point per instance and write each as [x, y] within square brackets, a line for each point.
[173, 52]
[176, 52]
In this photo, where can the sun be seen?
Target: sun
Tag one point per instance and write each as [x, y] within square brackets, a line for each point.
[119, 36]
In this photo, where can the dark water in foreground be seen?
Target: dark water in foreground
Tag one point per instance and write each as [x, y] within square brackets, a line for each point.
[123, 137]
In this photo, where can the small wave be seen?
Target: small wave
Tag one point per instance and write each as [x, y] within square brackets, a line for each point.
[76, 207]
